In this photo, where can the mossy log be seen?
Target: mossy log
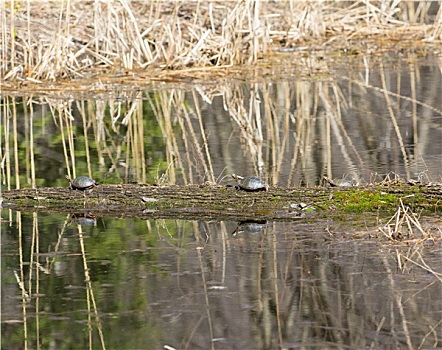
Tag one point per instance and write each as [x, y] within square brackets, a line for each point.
[222, 203]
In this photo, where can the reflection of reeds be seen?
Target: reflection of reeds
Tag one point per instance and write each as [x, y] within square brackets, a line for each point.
[5, 153]
[397, 295]
[30, 156]
[15, 142]
[394, 123]
[206, 297]
[285, 285]
[414, 257]
[162, 109]
[320, 295]
[135, 142]
[276, 291]
[25, 296]
[66, 124]
[35, 247]
[30, 289]
[208, 163]
[289, 132]
[90, 298]
[334, 115]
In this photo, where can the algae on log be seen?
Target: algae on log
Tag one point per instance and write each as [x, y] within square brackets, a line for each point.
[220, 203]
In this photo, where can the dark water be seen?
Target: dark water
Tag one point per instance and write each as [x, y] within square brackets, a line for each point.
[312, 284]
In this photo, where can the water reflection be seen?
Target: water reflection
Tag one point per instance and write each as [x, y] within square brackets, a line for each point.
[250, 226]
[192, 285]
[83, 219]
[368, 117]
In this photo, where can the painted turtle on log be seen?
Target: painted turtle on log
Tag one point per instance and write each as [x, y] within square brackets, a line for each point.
[81, 183]
[340, 182]
[250, 183]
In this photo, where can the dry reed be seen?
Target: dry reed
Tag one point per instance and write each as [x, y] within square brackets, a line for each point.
[72, 39]
[403, 224]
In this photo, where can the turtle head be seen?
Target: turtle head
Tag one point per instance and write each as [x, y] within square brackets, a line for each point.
[236, 177]
[70, 182]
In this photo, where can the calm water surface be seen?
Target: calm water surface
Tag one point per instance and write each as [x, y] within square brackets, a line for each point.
[73, 282]
[132, 284]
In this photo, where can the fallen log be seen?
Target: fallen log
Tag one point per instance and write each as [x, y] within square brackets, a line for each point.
[223, 203]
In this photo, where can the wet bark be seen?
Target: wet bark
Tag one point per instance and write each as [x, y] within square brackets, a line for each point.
[209, 202]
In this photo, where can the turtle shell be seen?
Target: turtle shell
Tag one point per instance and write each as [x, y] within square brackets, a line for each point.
[250, 183]
[82, 183]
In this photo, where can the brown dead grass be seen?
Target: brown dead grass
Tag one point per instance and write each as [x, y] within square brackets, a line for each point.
[43, 40]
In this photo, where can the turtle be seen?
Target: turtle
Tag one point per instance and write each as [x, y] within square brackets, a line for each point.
[339, 182]
[81, 183]
[250, 183]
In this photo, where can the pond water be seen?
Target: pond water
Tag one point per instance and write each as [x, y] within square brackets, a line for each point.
[357, 118]
[317, 282]
[170, 284]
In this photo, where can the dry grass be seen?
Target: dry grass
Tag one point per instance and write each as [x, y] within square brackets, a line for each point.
[404, 224]
[44, 40]
[405, 227]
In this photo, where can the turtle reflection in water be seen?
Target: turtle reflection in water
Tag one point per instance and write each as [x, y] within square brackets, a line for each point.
[85, 219]
[340, 182]
[250, 183]
[250, 226]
